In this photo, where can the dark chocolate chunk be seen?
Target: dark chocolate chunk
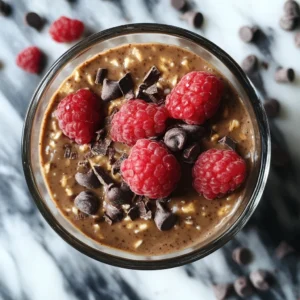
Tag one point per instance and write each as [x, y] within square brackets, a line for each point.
[247, 33]
[194, 18]
[260, 279]
[179, 4]
[285, 75]
[101, 75]
[297, 39]
[116, 196]
[34, 20]
[5, 8]
[272, 108]
[117, 165]
[130, 95]
[126, 84]
[151, 77]
[283, 250]
[191, 153]
[164, 219]
[242, 256]
[87, 202]
[291, 8]
[243, 287]
[222, 290]
[194, 132]
[175, 139]
[88, 180]
[228, 142]
[102, 175]
[74, 155]
[113, 214]
[110, 90]
[250, 64]
[151, 90]
[145, 213]
[288, 22]
[101, 147]
[150, 94]
[68, 151]
[134, 213]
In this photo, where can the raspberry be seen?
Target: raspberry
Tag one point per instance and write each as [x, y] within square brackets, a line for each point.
[30, 59]
[195, 98]
[137, 120]
[151, 170]
[79, 115]
[218, 172]
[65, 30]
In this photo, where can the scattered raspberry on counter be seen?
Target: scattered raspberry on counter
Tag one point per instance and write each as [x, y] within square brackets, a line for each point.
[30, 59]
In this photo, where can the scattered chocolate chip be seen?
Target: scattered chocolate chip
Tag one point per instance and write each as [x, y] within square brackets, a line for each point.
[272, 108]
[163, 218]
[102, 176]
[113, 214]
[116, 196]
[87, 202]
[222, 290]
[242, 256]
[191, 153]
[134, 213]
[260, 279]
[74, 155]
[117, 165]
[283, 250]
[179, 4]
[247, 33]
[194, 18]
[68, 151]
[34, 20]
[288, 22]
[110, 90]
[250, 64]
[243, 287]
[291, 8]
[101, 147]
[151, 77]
[285, 75]
[194, 132]
[5, 8]
[145, 213]
[126, 84]
[228, 142]
[297, 39]
[88, 180]
[175, 139]
[101, 75]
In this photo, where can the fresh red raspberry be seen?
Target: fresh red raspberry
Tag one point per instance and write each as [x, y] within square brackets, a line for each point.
[136, 120]
[195, 98]
[151, 170]
[65, 30]
[79, 115]
[218, 172]
[30, 59]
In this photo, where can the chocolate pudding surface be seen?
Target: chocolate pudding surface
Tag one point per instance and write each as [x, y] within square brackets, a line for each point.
[198, 218]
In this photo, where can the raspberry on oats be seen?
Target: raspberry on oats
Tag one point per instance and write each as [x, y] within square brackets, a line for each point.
[79, 115]
[66, 30]
[218, 172]
[195, 98]
[136, 120]
[151, 170]
[30, 59]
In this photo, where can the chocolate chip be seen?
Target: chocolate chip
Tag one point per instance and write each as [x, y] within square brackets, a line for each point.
[34, 20]
[110, 90]
[151, 77]
[113, 214]
[272, 108]
[101, 75]
[145, 213]
[291, 8]
[134, 213]
[117, 165]
[250, 64]
[297, 39]
[179, 4]
[126, 84]
[288, 22]
[175, 139]
[116, 196]
[5, 8]
[222, 290]
[194, 132]
[228, 142]
[285, 75]
[68, 150]
[88, 180]
[243, 287]
[102, 175]
[283, 250]
[260, 279]
[247, 33]
[194, 18]
[101, 147]
[242, 256]
[191, 153]
[163, 218]
[87, 202]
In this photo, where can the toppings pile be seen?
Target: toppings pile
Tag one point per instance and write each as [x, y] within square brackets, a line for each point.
[164, 133]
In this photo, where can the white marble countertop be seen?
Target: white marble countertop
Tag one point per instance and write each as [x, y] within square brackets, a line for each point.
[35, 263]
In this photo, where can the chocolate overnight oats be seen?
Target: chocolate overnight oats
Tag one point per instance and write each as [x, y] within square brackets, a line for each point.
[146, 148]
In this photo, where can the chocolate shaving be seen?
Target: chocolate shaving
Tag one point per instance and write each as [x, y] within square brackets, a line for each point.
[102, 176]
[130, 95]
[100, 134]
[101, 147]
[67, 153]
[101, 75]
[112, 214]
[126, 84]
[151, 77]
[150, 94]
[111, 154]
[74, 155]
[87, 202]
[145, 213]
[117, 165]
[164, 219]
[228, 142]
[88, 180]
[175, 139]
[191, 153]
[134, 213]
[110, 90]
[81, 216]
